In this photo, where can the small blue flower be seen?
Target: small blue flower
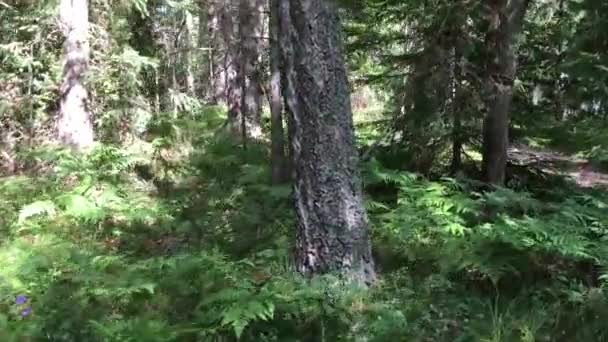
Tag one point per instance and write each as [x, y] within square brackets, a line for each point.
[25, 312]
[20, 300]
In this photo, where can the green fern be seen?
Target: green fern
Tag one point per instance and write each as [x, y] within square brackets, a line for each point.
[38, 208]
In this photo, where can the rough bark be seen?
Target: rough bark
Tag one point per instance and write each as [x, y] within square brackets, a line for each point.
[250, 33]
[277, 154]
[74, 125]
[505, 22]
[332, 230]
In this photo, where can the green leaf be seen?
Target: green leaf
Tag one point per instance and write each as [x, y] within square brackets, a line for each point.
[149, 287]
[231, 315]
[239, 327]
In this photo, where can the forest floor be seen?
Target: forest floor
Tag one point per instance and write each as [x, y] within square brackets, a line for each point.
[580, 170]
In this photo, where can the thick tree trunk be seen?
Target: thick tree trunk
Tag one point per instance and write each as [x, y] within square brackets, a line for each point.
[277, 154]
[250, 34]
[74, 125]
[505, 22]
[332, 232]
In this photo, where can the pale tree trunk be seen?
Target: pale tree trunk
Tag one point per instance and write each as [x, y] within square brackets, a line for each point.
[277, 155]
[250, 34]
[208, 28]
[332, 228]
[74, 125]
[505, 23]
[173, 54]
[188, 48]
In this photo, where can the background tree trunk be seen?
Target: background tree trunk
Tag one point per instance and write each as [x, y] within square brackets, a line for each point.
[332, 232]
[233, 88]
[212, 78]
[74, 125]
[187, 55]
[278, 158]
[456, 109]
[250, 34]
[505, 22]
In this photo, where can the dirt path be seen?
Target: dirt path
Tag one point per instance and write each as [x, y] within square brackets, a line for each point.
[580, 170]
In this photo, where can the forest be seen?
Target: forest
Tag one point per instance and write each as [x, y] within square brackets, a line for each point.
[303, 170]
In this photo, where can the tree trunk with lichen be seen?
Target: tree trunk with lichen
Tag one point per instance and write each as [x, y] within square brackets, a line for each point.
[505, 19]
[74, 124]
[332, 230]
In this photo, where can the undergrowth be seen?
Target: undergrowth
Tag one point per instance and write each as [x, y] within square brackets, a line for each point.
[183, 239]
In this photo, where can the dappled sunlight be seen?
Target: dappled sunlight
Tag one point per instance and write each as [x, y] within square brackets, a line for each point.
[147, 171]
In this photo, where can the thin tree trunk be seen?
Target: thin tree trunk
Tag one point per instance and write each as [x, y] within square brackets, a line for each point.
[456, 165]
[560, 83]
[187, 58]
[505, 22]
[163, 75]
[277, 155]
[456, 84]
[74, 125]
[332, 230]
[209, 84]
[156, 32]
[250, 32]
[173, 52]
[231, 66]
[174, 85]
[206, 50]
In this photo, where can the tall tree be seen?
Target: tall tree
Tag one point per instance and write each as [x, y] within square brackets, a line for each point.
[505, 20]
[250, 34]
[187, 55]
[74, 124]
[233, 86]
[332, 229]
[277, 155]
